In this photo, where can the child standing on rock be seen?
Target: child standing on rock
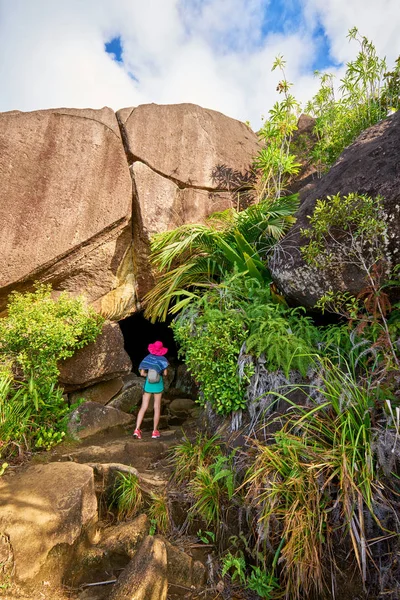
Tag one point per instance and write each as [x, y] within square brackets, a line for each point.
[153, 366]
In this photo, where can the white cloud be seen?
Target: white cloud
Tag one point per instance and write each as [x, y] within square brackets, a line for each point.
[210, 52]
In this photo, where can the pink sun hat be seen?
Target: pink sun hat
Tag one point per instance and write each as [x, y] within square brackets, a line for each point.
[157, 348]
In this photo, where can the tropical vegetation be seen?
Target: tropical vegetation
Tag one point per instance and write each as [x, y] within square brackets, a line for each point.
[313, 487]
[38, 332]
[317, 476]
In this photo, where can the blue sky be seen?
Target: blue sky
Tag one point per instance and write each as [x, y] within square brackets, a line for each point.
[216, 53]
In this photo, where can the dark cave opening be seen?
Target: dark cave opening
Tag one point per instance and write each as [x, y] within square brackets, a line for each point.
[138, 333]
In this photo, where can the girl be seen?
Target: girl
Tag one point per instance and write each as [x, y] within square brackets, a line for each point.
[155, 360]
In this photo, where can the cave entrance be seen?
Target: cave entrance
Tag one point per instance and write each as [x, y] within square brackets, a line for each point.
[138, 333]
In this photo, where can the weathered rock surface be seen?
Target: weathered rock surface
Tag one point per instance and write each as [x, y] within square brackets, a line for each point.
[175, 151]
[185, 142]
[70, 208]
[101, 360]
[129, 398]
[145, 578]
[181, 406]
[182, 570]
[185, 382]
[139, 453]
[125, 537]
[65, 200]
[43, 507]
[368, 166]
[101, 392]
[90, 418]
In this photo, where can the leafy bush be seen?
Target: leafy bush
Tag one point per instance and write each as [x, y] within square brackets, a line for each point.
[367, 94]
[241, 315]
[212, 488]
[275, 161]
[187, 456]
[36, 333]
[210, 345]
[353, 230]
[346, 229]
[258, 580]
[192, 257]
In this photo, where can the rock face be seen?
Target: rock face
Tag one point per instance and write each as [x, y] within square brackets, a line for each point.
[65, 201]
[102, 360]
[91, 417]
[302, 144]
[145, 578]
[369, 166]
[175, 152]
[43, 507]
[71, 186]
[185, 143]
[101, 392]
[130, 397]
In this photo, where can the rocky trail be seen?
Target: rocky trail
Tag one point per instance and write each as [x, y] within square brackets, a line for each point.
[63, 541]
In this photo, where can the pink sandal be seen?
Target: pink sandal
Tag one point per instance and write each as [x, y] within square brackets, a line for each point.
[137, 434]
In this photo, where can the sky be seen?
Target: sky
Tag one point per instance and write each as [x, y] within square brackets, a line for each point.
[215, 53]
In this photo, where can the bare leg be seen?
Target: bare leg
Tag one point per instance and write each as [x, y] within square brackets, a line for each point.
[157, 409]
[143, 408]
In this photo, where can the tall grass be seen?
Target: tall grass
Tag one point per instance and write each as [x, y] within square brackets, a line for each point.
[127, 495]
[320, 462]
[187, 456]
[15, 412]
[158, 512]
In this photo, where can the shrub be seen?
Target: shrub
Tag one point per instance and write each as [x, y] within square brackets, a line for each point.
[366, 96]
[187, 456]
[210, 345]
[36, 333]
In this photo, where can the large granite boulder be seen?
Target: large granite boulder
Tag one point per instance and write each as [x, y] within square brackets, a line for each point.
[78, 186]
[65, 204]
[101, 360]
[185, 143]
[176, 152]
[44, 507]
[371, 165]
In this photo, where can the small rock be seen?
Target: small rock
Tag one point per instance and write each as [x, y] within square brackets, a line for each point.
[130, 380]
[182, 569]
[129, 398]
[100, 392]
[145, 578]
[181, 406]
[90, 418]
[124, 538]
[185, 382]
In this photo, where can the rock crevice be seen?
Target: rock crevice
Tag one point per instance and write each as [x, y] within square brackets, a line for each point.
[78, 205]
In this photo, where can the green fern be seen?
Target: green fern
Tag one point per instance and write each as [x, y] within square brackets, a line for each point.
[287, 339]
[194, 255]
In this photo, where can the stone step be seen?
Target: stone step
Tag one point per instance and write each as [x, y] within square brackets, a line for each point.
[129, 451]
